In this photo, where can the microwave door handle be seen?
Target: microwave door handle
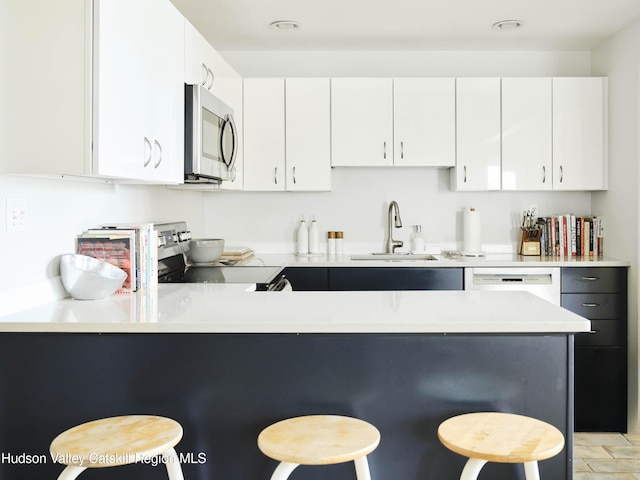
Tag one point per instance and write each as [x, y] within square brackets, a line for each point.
[234, 145]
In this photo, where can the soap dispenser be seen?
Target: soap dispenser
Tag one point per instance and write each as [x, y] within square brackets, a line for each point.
[314, 237]
[417, 240]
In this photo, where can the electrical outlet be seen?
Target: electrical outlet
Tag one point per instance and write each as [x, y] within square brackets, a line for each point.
[533, 208]
[16, 215]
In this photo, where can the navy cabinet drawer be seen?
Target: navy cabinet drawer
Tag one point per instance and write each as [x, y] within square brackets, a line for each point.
[594, 305]
[593, 280]
[611, 333]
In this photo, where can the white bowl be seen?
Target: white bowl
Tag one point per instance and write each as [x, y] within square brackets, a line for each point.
[88, 278]
[205, 250]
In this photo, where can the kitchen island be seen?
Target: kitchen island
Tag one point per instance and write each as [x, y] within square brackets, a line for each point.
[226, 362]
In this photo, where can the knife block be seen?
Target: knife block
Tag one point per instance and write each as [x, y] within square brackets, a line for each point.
[530, 242]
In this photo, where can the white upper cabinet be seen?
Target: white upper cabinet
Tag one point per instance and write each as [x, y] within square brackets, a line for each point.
[203, 65]
[424, 122]
[361, 121]
[138, 96]
[308, 134]
[477, 134]
[580, 133]
[526, 134]
[287, 147]
[264, 144]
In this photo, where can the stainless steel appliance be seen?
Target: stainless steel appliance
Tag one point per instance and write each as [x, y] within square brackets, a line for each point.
[173, 244]
[211, 138]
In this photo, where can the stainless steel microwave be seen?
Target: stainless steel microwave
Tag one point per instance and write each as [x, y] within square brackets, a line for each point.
[211, 138]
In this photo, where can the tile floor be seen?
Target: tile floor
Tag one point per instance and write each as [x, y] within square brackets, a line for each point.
[606, 456]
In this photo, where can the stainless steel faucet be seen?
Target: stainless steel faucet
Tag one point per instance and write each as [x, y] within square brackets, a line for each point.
[391, 243]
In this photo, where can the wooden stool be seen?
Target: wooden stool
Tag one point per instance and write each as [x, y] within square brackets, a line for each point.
[502, 438]
[110, 442]
[319, 440]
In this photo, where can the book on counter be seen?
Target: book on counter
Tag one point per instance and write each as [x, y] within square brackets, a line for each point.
[142, 258]
[572, 236]
[116, 248]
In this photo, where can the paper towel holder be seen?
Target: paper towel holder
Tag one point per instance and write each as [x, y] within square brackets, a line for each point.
[472, 246]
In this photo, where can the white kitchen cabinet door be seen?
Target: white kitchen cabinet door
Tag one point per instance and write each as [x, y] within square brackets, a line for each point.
[477, 135]
[264, 138]
[361, 122]
[122, 101]
[424, 122]
[308, 134]
[526, 134]
[203, 65]
[138, 97]
[167, 83]
[580, 133]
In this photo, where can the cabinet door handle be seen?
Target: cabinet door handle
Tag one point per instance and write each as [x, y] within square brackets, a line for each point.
[148, 148]
[158, 157]
[205, 75]
[402, 150]
[593, 332]
[590, 279]
[212, 79]
[591, 305]
[384, 155]
[464, 171]
[275, 175]
[544, 174]
[294, 175]
[561, 173]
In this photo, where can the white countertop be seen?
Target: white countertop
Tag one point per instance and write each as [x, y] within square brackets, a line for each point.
[490, 260]
[219, 308]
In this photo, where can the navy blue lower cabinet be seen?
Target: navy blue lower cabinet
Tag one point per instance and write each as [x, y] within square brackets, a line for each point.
[225, 388]
[396, 278]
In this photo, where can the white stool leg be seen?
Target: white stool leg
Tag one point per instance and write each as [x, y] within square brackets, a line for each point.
[283, 470]
[362, 468]
[472, 469]
[172, 462]
[531, 471]
[71, 472]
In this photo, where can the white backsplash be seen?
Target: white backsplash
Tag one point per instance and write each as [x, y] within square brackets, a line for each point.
[358, 203]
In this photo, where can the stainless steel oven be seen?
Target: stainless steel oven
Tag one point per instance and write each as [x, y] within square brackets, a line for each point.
[173, 244]
[211, 138]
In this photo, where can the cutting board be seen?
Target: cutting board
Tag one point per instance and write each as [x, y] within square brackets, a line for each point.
[236, 253]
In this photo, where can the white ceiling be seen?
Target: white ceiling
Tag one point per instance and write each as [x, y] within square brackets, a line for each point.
[408, 24]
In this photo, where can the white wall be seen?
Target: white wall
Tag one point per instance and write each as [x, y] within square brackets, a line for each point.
[358, 206]
[432, 63]
[57, 210]
[619, 59]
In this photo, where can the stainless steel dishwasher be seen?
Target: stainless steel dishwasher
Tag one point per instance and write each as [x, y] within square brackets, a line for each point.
[543, 282]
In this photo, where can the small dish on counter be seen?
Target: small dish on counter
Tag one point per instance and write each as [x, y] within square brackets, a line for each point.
[89, 278]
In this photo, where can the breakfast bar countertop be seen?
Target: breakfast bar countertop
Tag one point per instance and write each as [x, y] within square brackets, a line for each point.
[234, 308]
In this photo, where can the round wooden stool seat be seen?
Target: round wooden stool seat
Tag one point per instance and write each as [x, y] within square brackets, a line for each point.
[114, 441]
[502, 438]
[319, 440]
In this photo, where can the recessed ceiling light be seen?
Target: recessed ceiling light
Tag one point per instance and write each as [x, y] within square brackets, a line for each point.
[505, 25]
[285, 25]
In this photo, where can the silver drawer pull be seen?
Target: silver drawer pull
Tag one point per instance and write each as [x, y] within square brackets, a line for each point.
[590, 279]
[590, 304]
[593, 332]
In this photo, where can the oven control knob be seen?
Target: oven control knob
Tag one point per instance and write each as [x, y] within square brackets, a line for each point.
[184, 236]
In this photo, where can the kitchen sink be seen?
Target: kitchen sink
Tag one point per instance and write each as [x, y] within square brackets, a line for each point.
[392, 256]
